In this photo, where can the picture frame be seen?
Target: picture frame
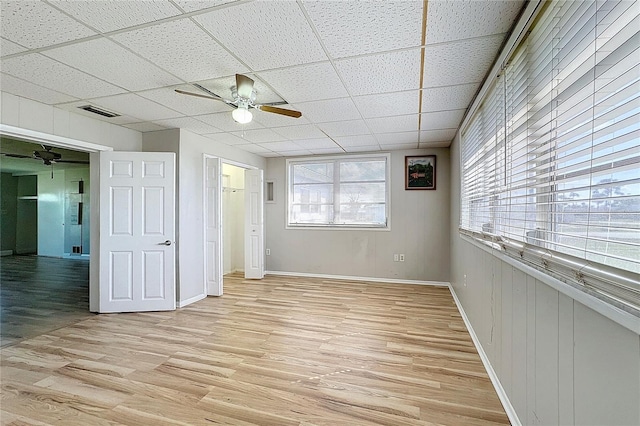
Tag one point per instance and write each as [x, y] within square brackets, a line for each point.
[420, 172]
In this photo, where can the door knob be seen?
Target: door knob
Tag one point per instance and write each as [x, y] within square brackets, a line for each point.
[166, 243]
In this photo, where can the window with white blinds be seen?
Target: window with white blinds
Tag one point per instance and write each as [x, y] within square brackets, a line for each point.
[338, 191]
[551, 157]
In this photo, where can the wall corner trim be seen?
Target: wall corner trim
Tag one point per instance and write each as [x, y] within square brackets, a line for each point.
[353, 278]
[502, 394]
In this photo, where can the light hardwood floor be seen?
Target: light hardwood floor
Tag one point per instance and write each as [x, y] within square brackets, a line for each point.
[280, 351]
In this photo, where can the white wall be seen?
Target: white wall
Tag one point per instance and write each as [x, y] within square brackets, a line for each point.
[559, 361]
[190, 212]
[419, 229]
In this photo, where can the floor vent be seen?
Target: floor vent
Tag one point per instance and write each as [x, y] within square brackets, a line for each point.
[99, 111]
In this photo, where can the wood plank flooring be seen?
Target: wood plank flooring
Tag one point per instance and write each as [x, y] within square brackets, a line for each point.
[39, 294]
[280, 351]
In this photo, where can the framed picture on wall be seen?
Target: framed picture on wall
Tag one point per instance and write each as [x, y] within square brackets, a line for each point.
[420, 172]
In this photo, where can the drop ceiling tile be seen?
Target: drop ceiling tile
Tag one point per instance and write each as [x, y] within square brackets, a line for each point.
[444, 144]
[113, 63]
[256, 149]
[276, 34]
[349, 28]
[144, 126]
[259, 135]
[437, 135]
[48, 73]
[75, 108]
[345, 128]
[224, 121]
[36, 24]
[460, 62]
[297, 153]
[8, 47]
[329, 110]
[387, 104]
[398, 138]
[188, 105]
[399, 146]
[187, 123]
[442, 119]
[222, 87]
[325, 151]
[193, 5]
[29, 90]
[108, 16]
[228, 139]
[270, 154]
[321, 143]
[399, 123]
[448, 97]
[306, 83]
[305, 131]
[281, 146]
[457, 20]
[386, 72]
[362, 140]
[135, 106]
[362, 148]
[183, 49]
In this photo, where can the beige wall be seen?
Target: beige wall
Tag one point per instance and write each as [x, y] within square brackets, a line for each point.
[419, 229]
[559, 361]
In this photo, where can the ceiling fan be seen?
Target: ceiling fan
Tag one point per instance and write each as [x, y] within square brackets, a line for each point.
[244, 97]
[47, 156]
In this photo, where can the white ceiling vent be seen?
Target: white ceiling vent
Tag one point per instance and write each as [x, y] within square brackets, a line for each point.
[99, 111]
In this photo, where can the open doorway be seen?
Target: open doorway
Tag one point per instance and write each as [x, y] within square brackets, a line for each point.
[243, 221]
[232, 203]
[44, 234]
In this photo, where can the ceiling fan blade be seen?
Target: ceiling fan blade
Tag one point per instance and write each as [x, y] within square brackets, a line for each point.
[209, 92]
[281, 111]
[244, 86]
[15, 155]
[182, 92]
[213, 96]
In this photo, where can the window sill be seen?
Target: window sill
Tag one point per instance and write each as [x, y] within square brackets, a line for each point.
[615, 314]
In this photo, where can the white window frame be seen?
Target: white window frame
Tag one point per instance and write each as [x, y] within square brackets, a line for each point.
[336, 159]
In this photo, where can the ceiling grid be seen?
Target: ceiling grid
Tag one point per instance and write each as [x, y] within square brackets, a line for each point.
[366, 75]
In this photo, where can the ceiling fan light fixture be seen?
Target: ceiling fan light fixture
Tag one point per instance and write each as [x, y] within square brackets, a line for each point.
[242, 115]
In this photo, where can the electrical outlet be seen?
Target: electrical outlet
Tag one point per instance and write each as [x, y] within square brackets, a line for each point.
[402, 258]
[465, 280]
[268, 252]
[395, 257]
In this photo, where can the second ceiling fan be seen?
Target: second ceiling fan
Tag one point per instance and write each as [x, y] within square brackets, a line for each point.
[244, 97]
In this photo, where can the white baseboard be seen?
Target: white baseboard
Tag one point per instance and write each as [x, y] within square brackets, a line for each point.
[502, 395]
[183, 303]
[351, 278]
[6, 252]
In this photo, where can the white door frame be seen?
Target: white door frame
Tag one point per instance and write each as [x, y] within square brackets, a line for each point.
[94, 170]
[219, 291]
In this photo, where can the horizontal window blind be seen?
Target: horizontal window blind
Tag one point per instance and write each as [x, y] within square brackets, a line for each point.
[551, 158]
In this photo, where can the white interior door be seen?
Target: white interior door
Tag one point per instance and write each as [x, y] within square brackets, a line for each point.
[213, 226]
[137, 231]
[254, 225]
